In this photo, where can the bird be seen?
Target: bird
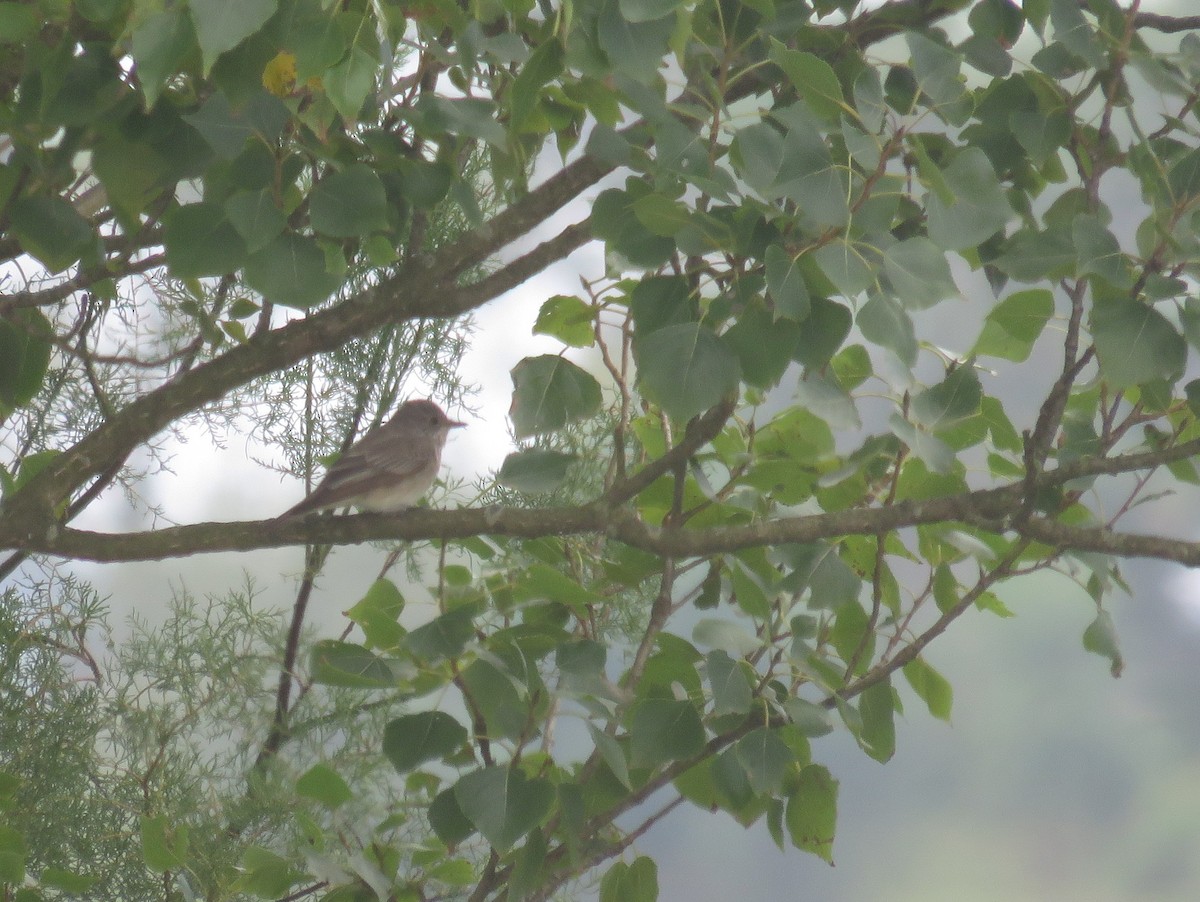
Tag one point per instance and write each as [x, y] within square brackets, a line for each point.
[390, 468]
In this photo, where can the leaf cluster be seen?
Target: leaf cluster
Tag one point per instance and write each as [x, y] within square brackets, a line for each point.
[755, 484]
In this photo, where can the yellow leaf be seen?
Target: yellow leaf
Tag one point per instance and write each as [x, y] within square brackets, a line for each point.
[279, 75]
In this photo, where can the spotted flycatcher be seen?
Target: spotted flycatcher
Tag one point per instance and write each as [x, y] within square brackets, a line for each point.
[388, 469]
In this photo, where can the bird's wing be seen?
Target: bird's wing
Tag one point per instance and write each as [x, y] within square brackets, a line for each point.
[373, 461]
[380, 451]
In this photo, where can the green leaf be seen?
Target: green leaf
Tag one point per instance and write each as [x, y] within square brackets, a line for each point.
[845, 266]
[731, 788]
[1041, 134]
[807, 173]
[502, 707]
[1072, 30]
[543, 66]
[458, 871]
[919, 273]
[660, 301]
[377, 614]
[731, 691]
[350, 81]
[18, 23]
[528, 872]
[322, 783]
[765, 758]
[930, 686]
[161, 45]
[543, 582]
[164, 848]
[851, 635]
[447, 819]
[49, 229]
[24, 355]
[636, 882]
[647, 10]
[535, 471]
[223, 24]
[31, 464]
[68, 881]
[661, 215]
[413, 739]
[936, 68]
[818, 567]
[928, 449]
[811, 816]
[1099, 253]
[757, 155]
[1030, 256]
[949, 402]
[827, 326]
[813, 79]
[662, 730]
[612, 753]
[473, 117]
[852, 367]
[320, 43]
[763, 345]
[635, 49]
[9, 784]
[731, 637]
[569, 319]
[12, 856]
[786, 285]
[877, 707]
[1004, 434]
[1101, 638]
[133, 173]
[979, 207]
[444, 636]
[550, 392]
[685, 369]
[1183, 178]
[868, 100]
[265, 874]
[999, 19]
[224, 129]
[1013, 325]
[256, 217]
[615, 222]
[200, 241]
[748, 592]
[887, 324]
[811, 720]
[581, 660]
[424, 184]
[349, 203]
[291, 271]
[502, 804]
[1135, 343]
[334, 663]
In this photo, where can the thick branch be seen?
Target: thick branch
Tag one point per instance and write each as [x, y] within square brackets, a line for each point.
[1166, 24]
[1121, 544]
[990, 508]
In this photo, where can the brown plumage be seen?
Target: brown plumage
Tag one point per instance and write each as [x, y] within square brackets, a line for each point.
[388, 469]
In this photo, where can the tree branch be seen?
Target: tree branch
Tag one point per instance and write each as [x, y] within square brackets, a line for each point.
[988, 508]
[1107, 541]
